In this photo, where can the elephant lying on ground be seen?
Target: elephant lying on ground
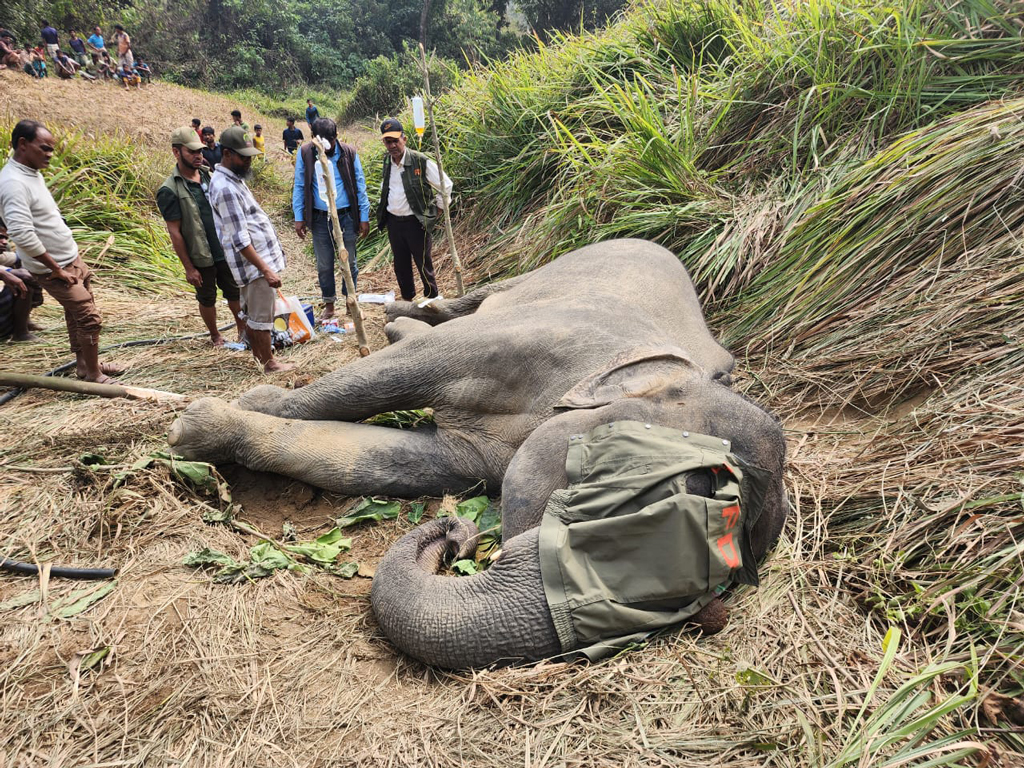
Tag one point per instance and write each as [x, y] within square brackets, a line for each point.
[523, 375]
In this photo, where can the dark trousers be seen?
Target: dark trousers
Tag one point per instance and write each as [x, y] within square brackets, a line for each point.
[409, 243]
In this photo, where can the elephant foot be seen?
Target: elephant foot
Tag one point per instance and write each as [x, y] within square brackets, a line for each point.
[712, 618]
[203, 431]
[265, 398]
[404, 327]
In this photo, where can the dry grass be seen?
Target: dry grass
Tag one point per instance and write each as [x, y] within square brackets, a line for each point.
[292, 671]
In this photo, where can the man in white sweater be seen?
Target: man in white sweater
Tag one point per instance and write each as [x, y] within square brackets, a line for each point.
[46, 247]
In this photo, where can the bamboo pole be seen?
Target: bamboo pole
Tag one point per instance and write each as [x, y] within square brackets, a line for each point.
[351, 305]
[28, 381]
[460, 289]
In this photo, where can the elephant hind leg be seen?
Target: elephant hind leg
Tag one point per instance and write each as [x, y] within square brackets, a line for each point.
[353, 459]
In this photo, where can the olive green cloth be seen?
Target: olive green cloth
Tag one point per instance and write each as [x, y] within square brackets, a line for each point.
[626, 551]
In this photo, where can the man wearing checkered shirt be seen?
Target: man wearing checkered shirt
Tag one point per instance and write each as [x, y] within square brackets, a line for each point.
[253, 252]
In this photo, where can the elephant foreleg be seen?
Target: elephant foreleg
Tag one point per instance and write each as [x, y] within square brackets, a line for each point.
[442, 310]
[400, 377]
[353, 459]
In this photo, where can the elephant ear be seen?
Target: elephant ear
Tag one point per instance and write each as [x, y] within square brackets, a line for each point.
[633, 374]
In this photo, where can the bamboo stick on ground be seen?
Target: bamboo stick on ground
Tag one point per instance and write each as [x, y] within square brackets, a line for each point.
[351, 305]
[460, 290]
[29, 381]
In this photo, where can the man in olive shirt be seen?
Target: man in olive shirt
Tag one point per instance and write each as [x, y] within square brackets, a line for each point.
[186, 210]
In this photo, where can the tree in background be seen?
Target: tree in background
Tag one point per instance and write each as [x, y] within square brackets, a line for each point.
[567, 15]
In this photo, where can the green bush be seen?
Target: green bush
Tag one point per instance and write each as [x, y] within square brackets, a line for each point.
[387, 82]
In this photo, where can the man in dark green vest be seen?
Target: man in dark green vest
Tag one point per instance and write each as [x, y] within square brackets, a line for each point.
[410, 197]
[189, 217]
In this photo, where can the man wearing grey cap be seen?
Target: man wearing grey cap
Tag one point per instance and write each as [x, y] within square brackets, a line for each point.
[188, 215]
[250, 243]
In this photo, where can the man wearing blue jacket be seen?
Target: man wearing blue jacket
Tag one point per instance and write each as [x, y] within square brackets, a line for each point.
[309, 204]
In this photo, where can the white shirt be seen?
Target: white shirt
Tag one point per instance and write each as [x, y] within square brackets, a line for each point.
[34, 223]
[398, 204]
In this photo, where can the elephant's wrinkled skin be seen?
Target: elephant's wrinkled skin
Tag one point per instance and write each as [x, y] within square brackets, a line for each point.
[610, 332]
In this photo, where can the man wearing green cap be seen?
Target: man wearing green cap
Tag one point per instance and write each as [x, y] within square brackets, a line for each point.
[189, 218]
[250, 242]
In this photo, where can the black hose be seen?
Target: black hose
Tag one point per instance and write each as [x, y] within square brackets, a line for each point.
[13, 393]
[61, 572]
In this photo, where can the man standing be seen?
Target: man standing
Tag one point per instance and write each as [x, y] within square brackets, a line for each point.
[211, 152]
[309, 204]
[292, 137]
[95, 40]
[49, 35]
[236, 120]
[250, 243]
[125, 57]
[312, 114]
[78, 49]
[47, 248]
[259, 140]
[408, 208]
[189, 217]
[196, 122]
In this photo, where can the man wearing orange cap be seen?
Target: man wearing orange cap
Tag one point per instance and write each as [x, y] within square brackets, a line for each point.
[411, 195]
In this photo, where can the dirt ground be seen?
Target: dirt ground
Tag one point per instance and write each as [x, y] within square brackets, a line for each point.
[292, 670]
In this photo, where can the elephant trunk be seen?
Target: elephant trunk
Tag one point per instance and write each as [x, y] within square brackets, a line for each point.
[498, 616]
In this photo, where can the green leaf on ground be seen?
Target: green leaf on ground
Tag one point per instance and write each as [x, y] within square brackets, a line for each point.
[199, 475]
[80, 599]
[490, 520]
[344, 570]
[214, 515]
[472, 509]
[465, 567]
[324, 550]
[752, 677]
[267, 557]
[207, 556]
[416, 510]
[20, 601]
[94, 658]
[371, 509]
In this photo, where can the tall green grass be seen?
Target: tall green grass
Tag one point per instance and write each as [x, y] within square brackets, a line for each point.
[841, 178]
[105, 186]
[661, 126]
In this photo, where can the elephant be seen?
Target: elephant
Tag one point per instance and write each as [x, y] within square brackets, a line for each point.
[515, 372]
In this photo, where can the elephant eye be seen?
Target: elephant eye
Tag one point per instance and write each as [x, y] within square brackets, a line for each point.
[700, 483]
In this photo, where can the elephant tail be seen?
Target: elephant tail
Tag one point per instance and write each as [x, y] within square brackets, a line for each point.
[499, 616]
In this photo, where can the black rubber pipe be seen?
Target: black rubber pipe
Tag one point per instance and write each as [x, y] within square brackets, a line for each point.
[61, 572]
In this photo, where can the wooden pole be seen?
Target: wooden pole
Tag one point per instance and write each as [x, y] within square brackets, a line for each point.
[351, 305]
[460, 289]
[28, 381]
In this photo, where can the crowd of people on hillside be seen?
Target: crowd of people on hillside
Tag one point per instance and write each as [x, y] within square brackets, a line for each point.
[87, 58]
[218, 230]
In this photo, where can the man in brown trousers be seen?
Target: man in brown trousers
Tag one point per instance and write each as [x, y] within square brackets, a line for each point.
[47, 248]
